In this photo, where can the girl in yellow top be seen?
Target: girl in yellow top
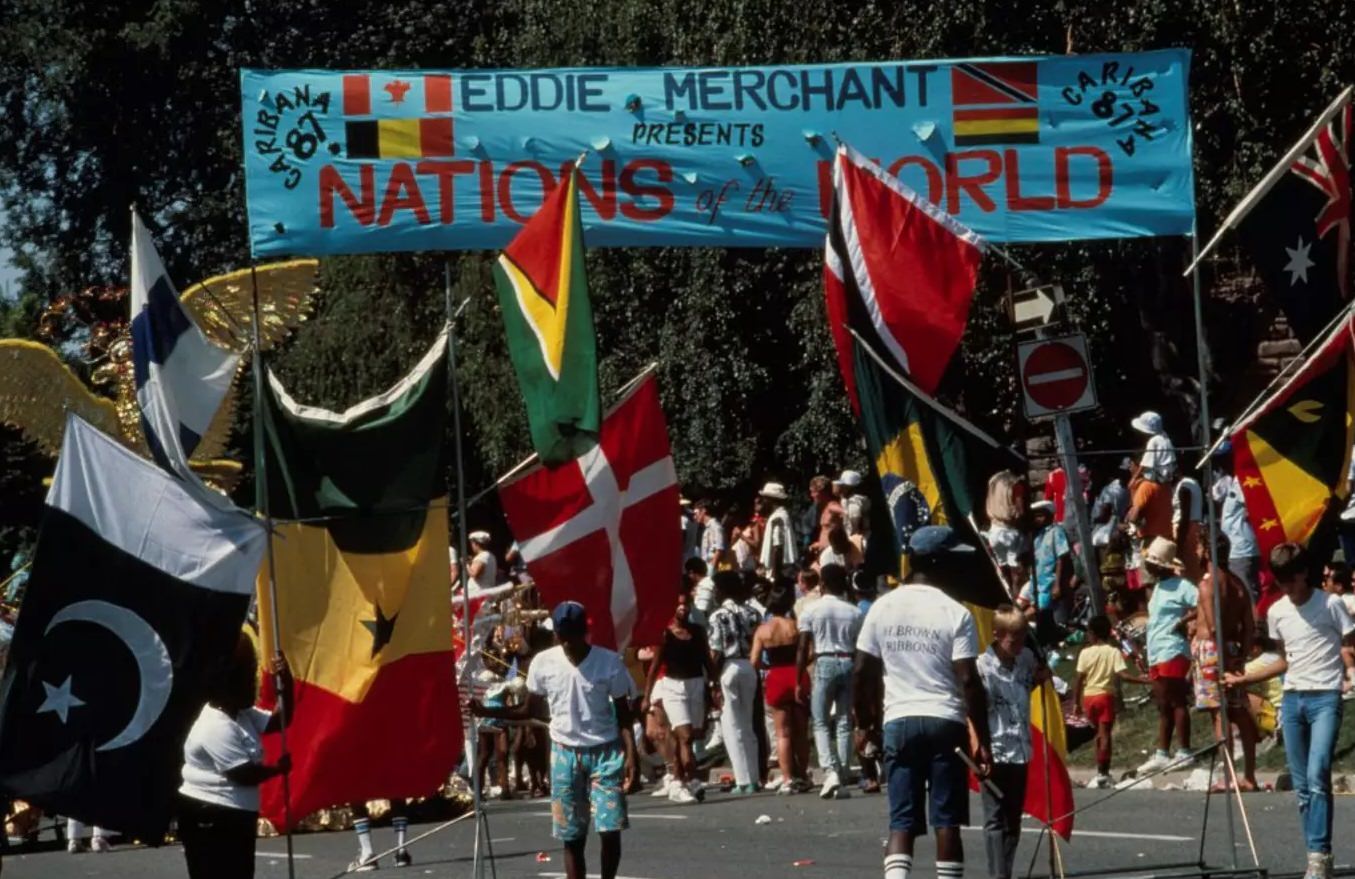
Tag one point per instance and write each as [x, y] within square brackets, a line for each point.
[1100, 668]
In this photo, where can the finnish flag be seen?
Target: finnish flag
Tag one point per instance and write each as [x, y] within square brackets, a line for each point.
[181, 377]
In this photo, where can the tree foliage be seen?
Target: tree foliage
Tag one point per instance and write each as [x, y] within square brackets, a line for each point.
[133, 101]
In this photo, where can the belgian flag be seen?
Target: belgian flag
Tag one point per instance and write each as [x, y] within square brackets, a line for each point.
[1291, 454]
[360, 555]
[934, 468]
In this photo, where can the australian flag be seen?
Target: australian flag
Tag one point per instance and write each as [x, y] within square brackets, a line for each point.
[181, 377]
[1298, 234]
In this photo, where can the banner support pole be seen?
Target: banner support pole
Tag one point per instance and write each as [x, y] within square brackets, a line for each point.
[261, 504]
[463, 549]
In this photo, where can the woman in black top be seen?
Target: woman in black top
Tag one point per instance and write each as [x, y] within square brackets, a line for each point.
[680, 676]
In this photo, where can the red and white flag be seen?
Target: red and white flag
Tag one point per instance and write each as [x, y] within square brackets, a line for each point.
[603, 529]
[897, 270]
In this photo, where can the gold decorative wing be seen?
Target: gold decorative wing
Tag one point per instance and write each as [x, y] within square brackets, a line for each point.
[224, 305]
[37, 389]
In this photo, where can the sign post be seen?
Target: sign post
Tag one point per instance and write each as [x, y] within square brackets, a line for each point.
[1056, 380]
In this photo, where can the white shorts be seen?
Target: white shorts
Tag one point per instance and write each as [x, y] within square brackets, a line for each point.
[683, 700]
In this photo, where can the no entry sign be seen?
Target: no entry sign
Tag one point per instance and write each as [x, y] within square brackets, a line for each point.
[1056, 376]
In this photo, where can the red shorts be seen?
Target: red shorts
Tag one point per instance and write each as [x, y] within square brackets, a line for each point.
[1099, 707]
[779, 686]
[1176, 668]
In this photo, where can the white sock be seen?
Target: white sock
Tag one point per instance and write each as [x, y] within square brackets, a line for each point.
[949, 869]
[898, 866]
[400, 825]
[363, 826]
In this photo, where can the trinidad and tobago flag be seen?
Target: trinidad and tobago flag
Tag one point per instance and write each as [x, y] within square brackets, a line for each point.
[1292, 454]
[996, 102]
[1298, 234]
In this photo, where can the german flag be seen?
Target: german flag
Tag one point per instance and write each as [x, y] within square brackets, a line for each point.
[360, 555]
[934, 468]
[1291, 455]
[995, 103]
[397, 135]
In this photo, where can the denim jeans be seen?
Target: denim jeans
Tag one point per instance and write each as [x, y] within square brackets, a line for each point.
[1312, 720]
[832, 689]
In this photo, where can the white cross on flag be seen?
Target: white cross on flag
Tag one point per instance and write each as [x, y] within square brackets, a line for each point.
[603, 529]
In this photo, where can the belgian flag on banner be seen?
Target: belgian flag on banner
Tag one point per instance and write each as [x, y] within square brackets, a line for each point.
[360, 553]
[1292, 454]
[934, 469]
[412, 117]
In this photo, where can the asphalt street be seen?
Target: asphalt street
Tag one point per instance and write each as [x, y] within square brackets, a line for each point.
[721, 838]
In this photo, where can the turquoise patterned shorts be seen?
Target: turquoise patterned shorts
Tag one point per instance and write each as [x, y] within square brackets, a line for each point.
[587, 783]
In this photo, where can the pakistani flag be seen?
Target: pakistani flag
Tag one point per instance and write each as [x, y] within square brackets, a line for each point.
[543, 293]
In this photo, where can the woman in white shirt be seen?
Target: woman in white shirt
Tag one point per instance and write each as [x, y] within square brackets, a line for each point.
[224, 766]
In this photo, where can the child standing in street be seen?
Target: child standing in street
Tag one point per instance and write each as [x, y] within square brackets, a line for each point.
[1009, 671]
[1100, 668]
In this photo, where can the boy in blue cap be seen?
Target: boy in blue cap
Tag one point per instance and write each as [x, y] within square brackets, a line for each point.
[588, 691]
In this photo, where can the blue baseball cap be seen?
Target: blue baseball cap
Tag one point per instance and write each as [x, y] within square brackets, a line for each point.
[569, 617]
[935, 540]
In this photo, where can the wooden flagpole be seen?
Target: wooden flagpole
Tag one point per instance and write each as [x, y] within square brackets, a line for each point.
[1272, 177]
[261, 504]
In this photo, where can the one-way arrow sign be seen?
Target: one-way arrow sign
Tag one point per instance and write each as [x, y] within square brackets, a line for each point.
[1031, 309]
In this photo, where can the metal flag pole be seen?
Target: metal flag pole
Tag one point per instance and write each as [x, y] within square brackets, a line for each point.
[463, 563]
[261, 504]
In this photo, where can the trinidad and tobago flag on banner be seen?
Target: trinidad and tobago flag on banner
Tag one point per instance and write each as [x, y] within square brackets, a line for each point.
[1298, 233]
[897, 270]
[543, 294]
[1292, 453]
[995, 102]
[602, 529]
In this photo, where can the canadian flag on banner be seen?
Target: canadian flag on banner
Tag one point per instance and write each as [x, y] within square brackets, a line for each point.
[603, 529]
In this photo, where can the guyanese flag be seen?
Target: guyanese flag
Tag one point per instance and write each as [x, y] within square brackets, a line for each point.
[360, 554]
[934, 468]
[543, 293]
[1291, 455]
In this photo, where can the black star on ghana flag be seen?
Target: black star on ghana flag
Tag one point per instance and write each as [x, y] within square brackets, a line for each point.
[381, 629]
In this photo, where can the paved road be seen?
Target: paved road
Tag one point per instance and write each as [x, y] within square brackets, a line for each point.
[721, 839]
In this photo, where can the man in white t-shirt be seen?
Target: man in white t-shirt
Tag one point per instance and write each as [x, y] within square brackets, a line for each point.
[855, 505]
[829, 628]
[924, 644]
[712, 534]
[588, 692]
[1309, 628]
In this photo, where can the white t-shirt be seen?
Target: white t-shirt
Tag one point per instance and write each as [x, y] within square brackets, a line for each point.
[830, 556]
[1159, 455]
[488, 577]
[704, 595]
[779, 534]
[216, 744]
[1312, 640]
[918, 631]
[580, 697]
[1194, 496]
[833, 623]
[857, 519]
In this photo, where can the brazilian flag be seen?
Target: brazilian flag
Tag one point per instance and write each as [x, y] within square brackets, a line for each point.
[933, 469]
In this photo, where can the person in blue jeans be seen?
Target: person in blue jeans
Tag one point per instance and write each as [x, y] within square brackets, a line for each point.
[828, 628]
[1309, 627]
[921, 645]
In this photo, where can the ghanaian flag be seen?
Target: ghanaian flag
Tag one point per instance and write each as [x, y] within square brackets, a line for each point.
[360, 555]
[934, 468]
[1291, 454]
[543, 293]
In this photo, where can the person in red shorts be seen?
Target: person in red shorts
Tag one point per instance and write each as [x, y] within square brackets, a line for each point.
[1171, 609]
[775, 644]
[1100, 668]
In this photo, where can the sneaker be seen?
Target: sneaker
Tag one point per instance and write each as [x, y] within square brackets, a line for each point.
[1101, 782]
[681, 795]
[801, 786]
[831, 785]
[1156, 763]
[100, 844]
[1319, 866]
[664, 787]
[360, 865]
[77, 846]
[1183, 758]
[402, 858]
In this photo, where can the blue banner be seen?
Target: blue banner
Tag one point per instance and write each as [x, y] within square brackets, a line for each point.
[1020, 149]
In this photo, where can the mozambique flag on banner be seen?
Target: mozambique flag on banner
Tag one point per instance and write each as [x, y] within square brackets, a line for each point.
[543, 293]
[360, 556]
[934, 469]
[1292, 453]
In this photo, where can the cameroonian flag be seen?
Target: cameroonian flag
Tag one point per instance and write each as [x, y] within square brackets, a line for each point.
[934, 468]
[360, 555]
[1291, 454]
[543, 293]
